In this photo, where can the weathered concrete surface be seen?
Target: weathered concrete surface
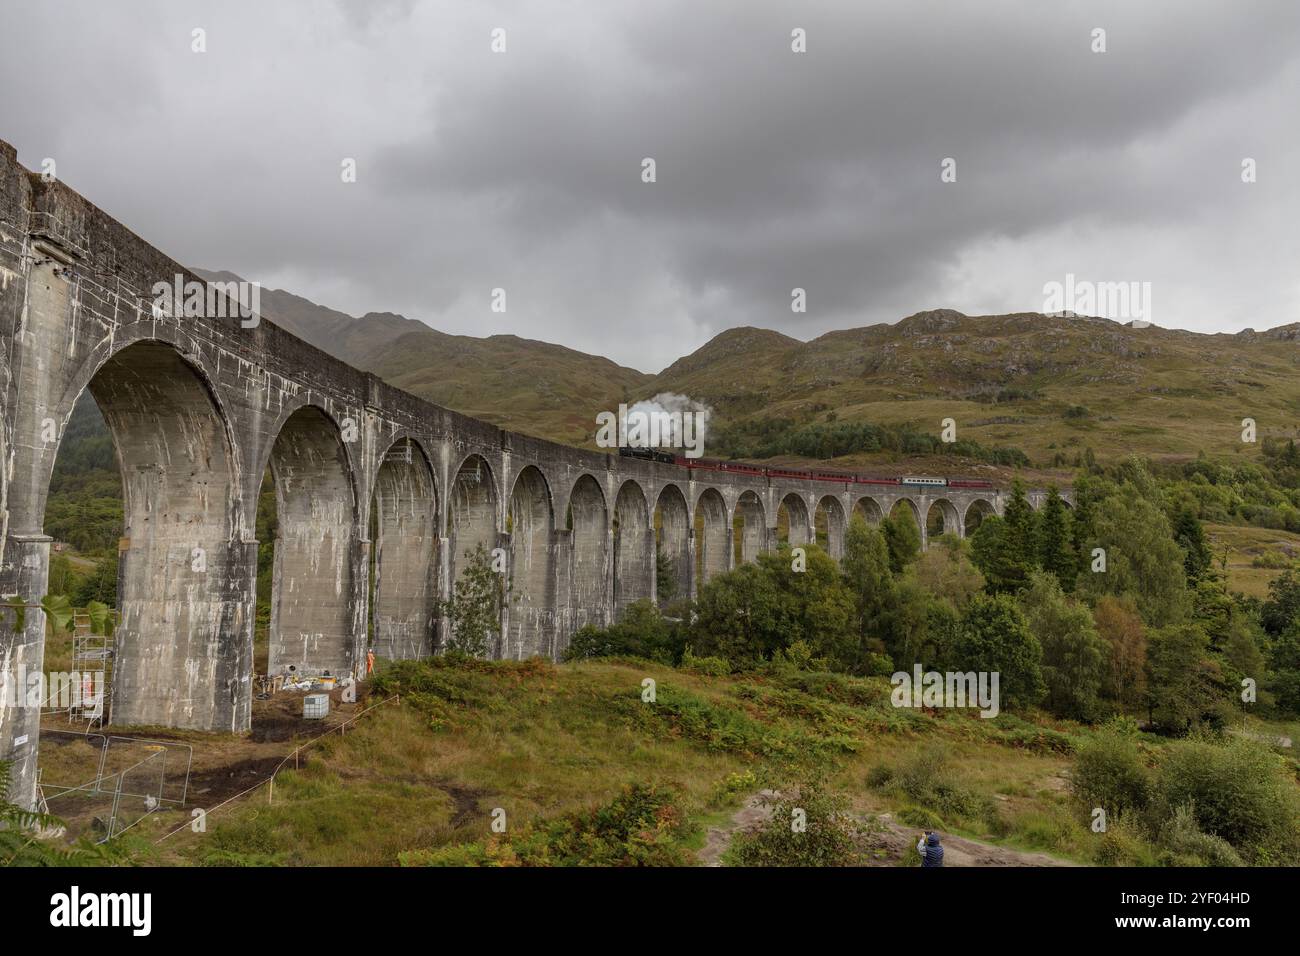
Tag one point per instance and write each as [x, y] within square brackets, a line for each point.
[199, 409]
[406, 555]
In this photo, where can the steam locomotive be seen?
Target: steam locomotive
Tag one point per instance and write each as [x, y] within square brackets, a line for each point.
[840, 477]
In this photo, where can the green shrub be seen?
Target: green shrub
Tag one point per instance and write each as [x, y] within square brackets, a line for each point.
[1237, 790]
[919, 774]
[20, 842]
[1271, 559]
[1109, 773]
[1184, 844]
[927, 778]
[921, 818]
[1053, 830]
[813, 828]
[641, 632]
[1042, 740]
[708, 666]
[1122, 845]
[732, 785]
[880, 776]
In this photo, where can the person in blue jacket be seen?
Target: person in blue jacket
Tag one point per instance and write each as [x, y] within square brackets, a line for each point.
[930, 849]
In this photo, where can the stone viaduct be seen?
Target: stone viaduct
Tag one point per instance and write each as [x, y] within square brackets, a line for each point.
[199, 409]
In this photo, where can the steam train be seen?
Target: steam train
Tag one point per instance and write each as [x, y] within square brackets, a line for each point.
[711, 464]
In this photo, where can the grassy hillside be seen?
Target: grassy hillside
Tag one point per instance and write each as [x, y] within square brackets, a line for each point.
[419, 783]
[1049, 386]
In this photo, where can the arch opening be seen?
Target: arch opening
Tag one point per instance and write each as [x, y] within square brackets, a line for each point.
[634, 563]
[870, 510]
[712, 537]
[942, 518]
[588, 521]
[315, 627]
[906, 509]
[749, 528]
[531, 614]
[471, 514]
[976, 512]
[793, 523]
[183, 642]
[830, 526]
[672, 547]
[404, 555]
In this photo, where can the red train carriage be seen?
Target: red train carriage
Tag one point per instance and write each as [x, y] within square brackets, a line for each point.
[758, 471]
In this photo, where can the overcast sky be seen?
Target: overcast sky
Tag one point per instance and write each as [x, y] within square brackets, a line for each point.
[775, 170]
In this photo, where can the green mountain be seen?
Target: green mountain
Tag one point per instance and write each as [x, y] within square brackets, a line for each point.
[1025, 390]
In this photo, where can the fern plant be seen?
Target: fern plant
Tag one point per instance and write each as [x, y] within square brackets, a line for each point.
[20, 842]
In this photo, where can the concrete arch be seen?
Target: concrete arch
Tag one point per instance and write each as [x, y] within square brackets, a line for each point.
[798, 520]
[315, 626]
[183, 645]
[405, 549]
[345, 426]
[830, 514]
[588, 524]
[712, 536]
[976, 512]
[673, 541]
[870, 510]
[106, 351]
[155, 334]
[471, 513]
[530, 614]
[749, 527]
[634, 555]
[942, 517]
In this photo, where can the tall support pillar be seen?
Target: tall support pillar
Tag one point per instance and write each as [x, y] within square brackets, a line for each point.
[562, 612]
[25, 574]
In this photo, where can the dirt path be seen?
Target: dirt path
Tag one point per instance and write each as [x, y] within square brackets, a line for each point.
[753, 813]
[1270, 739]
[885, 847]
[897, 840]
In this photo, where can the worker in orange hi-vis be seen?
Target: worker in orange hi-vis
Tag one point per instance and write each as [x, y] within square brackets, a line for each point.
[370, 661]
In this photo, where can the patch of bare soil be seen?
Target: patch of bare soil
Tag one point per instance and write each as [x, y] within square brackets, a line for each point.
[888, 844]
[898, 841]
[222, 765]
[754, 813]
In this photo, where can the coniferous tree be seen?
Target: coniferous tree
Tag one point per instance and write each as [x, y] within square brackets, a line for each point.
[1022, 533]
[1191, 538]
[993, 555]
[1056, 551]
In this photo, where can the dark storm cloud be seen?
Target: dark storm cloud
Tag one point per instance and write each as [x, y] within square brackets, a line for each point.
[820, 170]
